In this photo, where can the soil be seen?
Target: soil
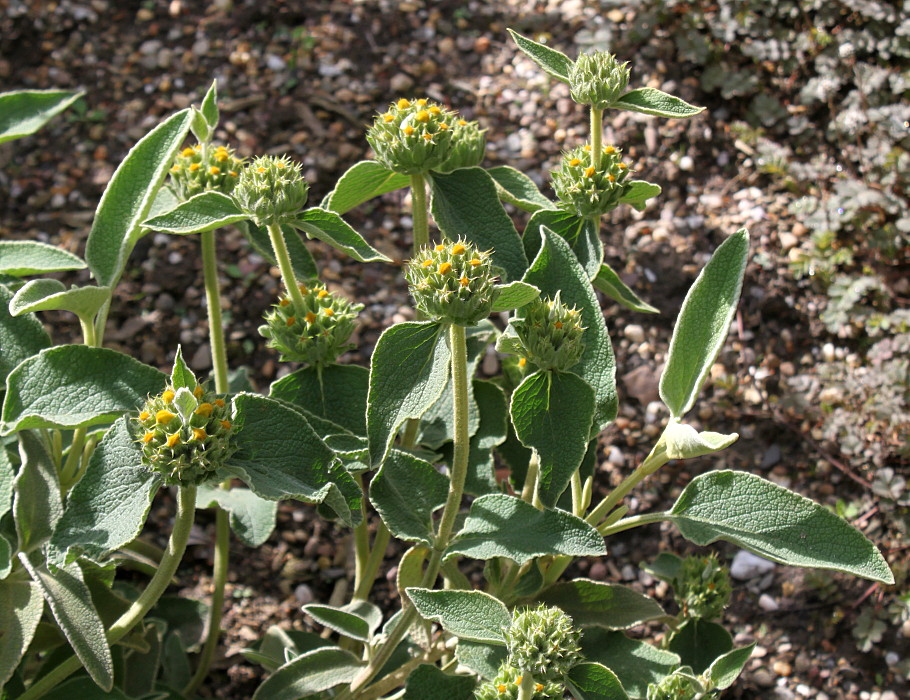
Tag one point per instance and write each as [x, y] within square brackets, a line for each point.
[305, 79]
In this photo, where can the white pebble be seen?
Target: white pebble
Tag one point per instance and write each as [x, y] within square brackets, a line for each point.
[634, 332]
[686, 163]
[767, 603]
[747, 566]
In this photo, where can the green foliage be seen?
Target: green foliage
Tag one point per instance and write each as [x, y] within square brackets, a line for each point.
[25, 258]
[23, 112]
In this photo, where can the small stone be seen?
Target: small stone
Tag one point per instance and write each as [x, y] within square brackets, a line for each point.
[401, 82]
[446, 45]
[616, 456]
[782, 668]
[598, 571]
[763, 678]
[787, 241]
[803, 690]
[767, 603]
[787, 369]
[686, 163]
[304, 594]
[747, 566]
[634, 332]
[892, 658]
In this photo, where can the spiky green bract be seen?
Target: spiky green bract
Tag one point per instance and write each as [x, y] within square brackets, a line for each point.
[452, 282]
[469, 142]
[551, 334]
[315, 333]
[677, 686]
[587, 190]
[543, 642]
[702, 587]
[185, 435]
[413, 136]
[598, 79]
[201, 168]
[271, 190]
[506, 686]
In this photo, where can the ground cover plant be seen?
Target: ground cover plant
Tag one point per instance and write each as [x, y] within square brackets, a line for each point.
[344, 423]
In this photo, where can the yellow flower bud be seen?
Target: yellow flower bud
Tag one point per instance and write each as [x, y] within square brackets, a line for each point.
[164, 417]
[458, 249]
[167, 396]
[204, 410]
[173, 439]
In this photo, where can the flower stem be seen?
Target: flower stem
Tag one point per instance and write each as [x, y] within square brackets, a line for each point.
[186, 509]
[597, 132]
[654, 461]
[419, 211]
[526, 689]
[371, 569]
[213, 302]
[634, 521]
[284, 264]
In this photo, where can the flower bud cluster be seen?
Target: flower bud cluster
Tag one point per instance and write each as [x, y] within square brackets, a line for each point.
[452, 282]
[315, 333]
[201, 168]
[591, 190]
[271, 189]
[598, 79]
[677, 686]
[543, 642]
[507, 683]
[413, 136]
[469, 142]
[185, 435]
[702, 587]
[551, 334]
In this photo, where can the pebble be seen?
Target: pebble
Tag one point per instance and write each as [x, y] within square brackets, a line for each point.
[787, 241]
[634, 332]
[686, 163]
[782, 668]
[748, 566]
[401, 82]
[767, 603]
[615, 456]
[598, 571]
[304, 594]
[763, 678]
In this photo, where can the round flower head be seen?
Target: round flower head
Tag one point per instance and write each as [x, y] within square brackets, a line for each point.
[588, 190]
[185, 435]
[543, 642]
[201, 168]
[507, 683]
[551, 334]
[469, 142]
[315, 333]
[413, 136]
[452, 282]
[677, 686]
[271, 189]
[702, 587]
[598, 79]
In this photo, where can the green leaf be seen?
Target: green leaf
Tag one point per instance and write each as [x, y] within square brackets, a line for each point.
[405, 492]
[361, 182]
[554, 63]
[409, 371]
[552, 413]
[129, 195]
[252, 518]
[358, 620]
[330, 228]
[726, 668]
[427, 682]
[699, 642]
[684, 442]
[635, 663]
[70, 602]
[555, 269]
[465, 205]
[186, 618]
[339, 396]
[472, 615]
[24, 258]
[310, 673]
[23, 112]
[607, 605]
[7, 477]
[209, 107]
[52, 295]
[278, 645]
[593, 681]
[182, 377]
[205, 211]
[608, 282]
[482, 659]
[505, 526]
[581, 234]
[21, 606]
[141, 668]
[20, 336]
[514, 295]
[665, 567]
[280, 456]
[517, 188]
[775, 523]
[638, 194]
[656, 103]
[301, 260]
[72, 386]
[200, 127]
[702, 324]
[175, 663]
[108, 506]
[84, 689]
[491, 432]
[37, 503]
